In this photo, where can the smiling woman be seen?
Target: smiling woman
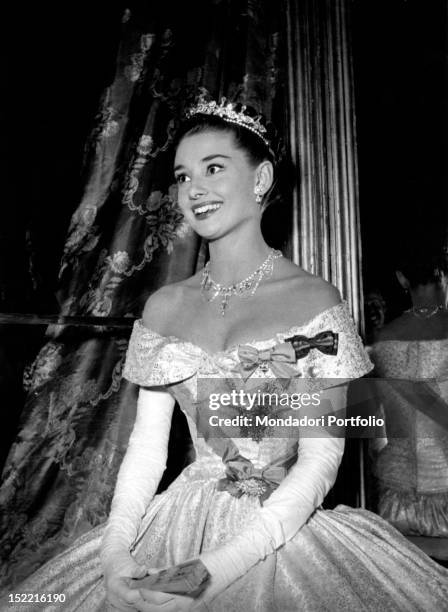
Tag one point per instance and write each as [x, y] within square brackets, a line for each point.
[213, 174]
[233, 171]
[241, 528]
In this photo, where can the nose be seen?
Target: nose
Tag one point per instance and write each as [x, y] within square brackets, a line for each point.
[196, 190]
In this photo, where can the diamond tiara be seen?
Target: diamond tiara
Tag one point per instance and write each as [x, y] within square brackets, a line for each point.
[226, 111]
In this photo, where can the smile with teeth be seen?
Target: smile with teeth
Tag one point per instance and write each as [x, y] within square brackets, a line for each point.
[205, 208]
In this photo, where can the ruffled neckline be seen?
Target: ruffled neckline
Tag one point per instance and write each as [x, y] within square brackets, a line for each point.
[279, 336]
[157, 359]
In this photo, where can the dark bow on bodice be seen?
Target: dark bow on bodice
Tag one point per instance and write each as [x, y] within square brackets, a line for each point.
[325, 342]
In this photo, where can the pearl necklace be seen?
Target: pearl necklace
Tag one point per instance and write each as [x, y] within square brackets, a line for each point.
[426, 312]
[247, 286]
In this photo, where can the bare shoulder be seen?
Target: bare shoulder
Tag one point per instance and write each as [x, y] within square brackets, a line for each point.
[308, 288]
[407, 328]
[322, 292]
[162, 306]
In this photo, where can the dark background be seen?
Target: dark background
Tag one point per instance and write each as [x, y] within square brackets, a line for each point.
[401, 66]
[58, 59]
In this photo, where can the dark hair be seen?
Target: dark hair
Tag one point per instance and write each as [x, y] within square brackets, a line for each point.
[254, 147]
[424, 265]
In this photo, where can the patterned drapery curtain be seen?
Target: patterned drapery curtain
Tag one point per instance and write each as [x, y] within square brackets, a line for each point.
[127, 237]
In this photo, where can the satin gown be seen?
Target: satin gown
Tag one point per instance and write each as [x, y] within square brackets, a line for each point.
[412, 468]
[341, 560]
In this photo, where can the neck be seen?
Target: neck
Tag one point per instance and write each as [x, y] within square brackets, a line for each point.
[427, 296]
[234, 257]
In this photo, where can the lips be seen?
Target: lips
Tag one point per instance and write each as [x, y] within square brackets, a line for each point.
[205, 209]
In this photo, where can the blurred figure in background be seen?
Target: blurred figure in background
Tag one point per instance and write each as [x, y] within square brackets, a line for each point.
[411, 467]
[375, 314]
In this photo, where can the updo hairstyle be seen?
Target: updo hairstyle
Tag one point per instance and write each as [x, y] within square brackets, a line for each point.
[424, 265]
[247, 141]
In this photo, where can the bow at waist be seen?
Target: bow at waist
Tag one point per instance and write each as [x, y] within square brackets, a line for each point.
[243, 478]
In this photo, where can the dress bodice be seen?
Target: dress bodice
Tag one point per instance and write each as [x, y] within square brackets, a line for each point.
[182, 368]
[412, 359]
[417, 456]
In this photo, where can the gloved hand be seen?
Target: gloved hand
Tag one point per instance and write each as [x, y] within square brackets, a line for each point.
[137, 482]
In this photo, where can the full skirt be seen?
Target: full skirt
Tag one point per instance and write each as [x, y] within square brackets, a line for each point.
[342, 560]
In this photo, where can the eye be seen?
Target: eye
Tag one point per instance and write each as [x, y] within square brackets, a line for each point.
[214, 168]
[181, 178]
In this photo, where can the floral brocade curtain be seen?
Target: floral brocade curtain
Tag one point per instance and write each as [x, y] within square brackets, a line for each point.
[126, 239]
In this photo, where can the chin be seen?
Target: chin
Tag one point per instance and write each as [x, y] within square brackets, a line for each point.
[213, 229]
[209, 231]
[210, 236]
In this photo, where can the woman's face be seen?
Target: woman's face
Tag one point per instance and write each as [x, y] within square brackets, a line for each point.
[216, 184]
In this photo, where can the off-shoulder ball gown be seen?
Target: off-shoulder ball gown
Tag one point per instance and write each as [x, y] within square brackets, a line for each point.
[341, 560]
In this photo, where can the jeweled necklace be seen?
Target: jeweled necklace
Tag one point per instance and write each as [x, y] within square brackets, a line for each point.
[426, 312]
[210, 289]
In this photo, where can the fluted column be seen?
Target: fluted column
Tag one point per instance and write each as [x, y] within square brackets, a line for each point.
[325, 236]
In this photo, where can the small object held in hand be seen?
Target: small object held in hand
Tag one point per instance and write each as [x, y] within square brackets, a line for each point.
[189, 579]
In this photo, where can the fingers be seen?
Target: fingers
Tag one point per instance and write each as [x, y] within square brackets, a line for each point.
[117, 607]
[144, 600]
[146, 606]
[156, 597]
[155, 601]
[122, 597]
[114, 605]
[139, 571]
[128, 568]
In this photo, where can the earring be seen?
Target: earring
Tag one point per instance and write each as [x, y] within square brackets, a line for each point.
[258, 194]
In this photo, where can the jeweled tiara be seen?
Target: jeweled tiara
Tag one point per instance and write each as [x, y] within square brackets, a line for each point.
[226, 111]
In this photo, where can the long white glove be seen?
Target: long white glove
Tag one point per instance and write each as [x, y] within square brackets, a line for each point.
[140, 472]
[284, 512]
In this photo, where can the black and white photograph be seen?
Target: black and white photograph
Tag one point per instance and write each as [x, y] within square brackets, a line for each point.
[224, 306]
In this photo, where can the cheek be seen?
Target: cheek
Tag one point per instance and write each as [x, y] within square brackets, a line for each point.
[247, 182]
[182, 197]
[240, 188]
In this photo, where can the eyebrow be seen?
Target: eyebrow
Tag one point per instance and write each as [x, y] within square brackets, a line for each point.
[205, 159]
